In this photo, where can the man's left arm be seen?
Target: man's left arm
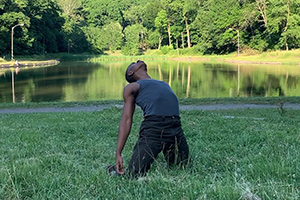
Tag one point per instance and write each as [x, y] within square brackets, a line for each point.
[126, 122]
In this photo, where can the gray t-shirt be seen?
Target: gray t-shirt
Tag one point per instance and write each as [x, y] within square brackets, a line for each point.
[157, 98]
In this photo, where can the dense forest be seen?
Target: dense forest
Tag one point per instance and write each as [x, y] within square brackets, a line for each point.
[133, 26]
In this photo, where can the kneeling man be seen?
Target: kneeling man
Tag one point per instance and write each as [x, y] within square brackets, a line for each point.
[160, 130]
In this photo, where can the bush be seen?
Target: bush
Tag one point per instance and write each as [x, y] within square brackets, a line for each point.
[248, 51]
[166, 49]
[195, 50]
[129, 51]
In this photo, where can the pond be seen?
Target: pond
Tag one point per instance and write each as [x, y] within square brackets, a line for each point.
[82, 81]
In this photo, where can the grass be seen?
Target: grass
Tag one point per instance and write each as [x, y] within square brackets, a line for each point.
[291, 57]
[183, 101]
[237, 154]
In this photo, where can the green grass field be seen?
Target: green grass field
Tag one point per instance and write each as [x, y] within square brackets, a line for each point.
[236, 154]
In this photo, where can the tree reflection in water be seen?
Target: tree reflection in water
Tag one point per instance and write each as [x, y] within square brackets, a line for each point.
[79, 81]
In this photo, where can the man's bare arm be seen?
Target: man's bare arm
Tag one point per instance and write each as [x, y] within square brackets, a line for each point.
[126, 122]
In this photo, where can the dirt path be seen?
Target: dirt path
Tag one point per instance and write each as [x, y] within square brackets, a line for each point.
[182, 107]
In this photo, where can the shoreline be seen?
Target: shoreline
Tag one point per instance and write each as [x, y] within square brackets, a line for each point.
[233, 61]
[219, 59]
[28, 63]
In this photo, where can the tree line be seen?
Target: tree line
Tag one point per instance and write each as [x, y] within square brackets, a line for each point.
[133, 26]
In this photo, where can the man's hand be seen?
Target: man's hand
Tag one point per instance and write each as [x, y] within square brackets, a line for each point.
[119, 164]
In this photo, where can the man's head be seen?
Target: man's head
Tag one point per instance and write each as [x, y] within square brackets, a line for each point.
[133, 70]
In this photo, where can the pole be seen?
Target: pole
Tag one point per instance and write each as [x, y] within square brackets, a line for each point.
[12, 43]
[12, 40]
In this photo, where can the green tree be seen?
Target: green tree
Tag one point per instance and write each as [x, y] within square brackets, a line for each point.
[171, 8]
[74, 35]
[93, 36]
[10, 15]
[70, 7]
[161, 23]
[154, 39]
[97, 25]
[101, 12]
[284, 23]
[189, 12]
[134, 15]
[73, 26]
[112, 36]
[45, 26]
[212, 23]
[262, 8]
[150, 11]
[132, 39]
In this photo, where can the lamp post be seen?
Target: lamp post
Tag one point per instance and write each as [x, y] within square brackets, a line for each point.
[238, 35]
[12, 40]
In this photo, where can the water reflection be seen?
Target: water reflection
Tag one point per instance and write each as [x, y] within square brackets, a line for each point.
[85, 81]
[239, 80]
[13, 86]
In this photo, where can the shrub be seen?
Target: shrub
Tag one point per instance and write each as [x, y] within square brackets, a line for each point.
[166, 49]
[128, 50]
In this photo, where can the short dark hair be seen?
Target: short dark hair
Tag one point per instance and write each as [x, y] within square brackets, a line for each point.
[129, 78]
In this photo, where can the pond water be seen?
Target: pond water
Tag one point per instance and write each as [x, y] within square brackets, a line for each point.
[81, 81]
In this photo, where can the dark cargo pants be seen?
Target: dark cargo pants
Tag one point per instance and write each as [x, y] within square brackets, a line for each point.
[158, 134]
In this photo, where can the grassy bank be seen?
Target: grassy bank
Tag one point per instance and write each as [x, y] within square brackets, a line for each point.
[237, 154]
[284, 57]
[273, 57]
[291, 57]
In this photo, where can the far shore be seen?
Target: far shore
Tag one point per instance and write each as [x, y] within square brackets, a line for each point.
[229, 61]
[291, 57]
[28, 63]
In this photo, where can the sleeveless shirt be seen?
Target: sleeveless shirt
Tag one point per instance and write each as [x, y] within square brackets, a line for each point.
[157, 98]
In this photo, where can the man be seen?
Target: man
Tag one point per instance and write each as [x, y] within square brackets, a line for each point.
[161, 129]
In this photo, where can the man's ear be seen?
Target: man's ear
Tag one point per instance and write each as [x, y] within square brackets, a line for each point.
[130, 73]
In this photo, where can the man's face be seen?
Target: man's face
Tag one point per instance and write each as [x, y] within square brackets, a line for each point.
[132, 68]
[136, 66]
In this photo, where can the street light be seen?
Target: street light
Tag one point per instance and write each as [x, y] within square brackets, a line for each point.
[12, 40]
[238, 34]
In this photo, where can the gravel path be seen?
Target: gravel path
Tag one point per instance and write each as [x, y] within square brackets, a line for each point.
[182, 107]
[238, 106]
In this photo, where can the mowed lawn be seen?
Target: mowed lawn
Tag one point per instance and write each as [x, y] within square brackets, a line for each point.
[236, 154]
